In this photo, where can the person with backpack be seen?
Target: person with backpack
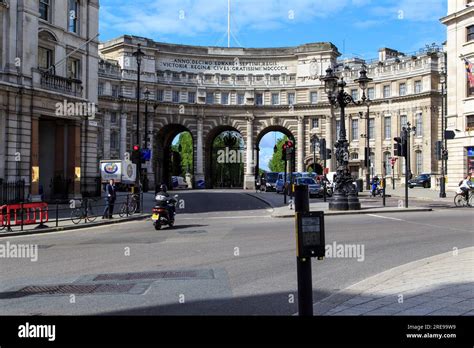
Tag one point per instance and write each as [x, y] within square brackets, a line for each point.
[110, 198]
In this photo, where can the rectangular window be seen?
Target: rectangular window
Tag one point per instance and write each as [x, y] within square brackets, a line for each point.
[403, 89]
[470, 121]
[259, 99]
[387, 125]
[191, 97]
[209, 98]
[45, 58]
[418, 87]
[371, 93]
[355, 129]
[44, 9]
[101, 88]
[419, 162]
[73, 68]
[176, 77]
[176, 96]
[470, 90]
[419, 125]
[113, 118]
[240, 99]
[159, 95]
[240, 78]
[275, 98]
[403, 121]
[115, 91]
[338, 129]
[386, 91]
[354, 94]
[73, 16]
[387, 163]
[470, 33]
[114, 143]
[225, 98]
[314, 97]
[372, 128]
[315, 122]
[291, 98]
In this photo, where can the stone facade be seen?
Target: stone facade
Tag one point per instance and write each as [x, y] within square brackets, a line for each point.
[460, 113]
[48, 56]
[207, 90]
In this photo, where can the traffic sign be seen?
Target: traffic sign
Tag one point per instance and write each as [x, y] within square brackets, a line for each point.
[449, 135]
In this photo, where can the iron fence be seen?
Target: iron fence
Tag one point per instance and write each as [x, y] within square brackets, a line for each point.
[12, 192]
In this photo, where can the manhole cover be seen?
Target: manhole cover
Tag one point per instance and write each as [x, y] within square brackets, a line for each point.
[166, 275]
[67, 289]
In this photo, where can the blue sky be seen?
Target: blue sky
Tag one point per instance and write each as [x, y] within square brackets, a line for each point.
[356, 27]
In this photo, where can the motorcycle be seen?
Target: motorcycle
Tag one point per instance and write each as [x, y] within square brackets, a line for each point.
[162, 214]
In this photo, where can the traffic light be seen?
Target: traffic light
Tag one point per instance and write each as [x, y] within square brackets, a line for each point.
[439, 150]
[322, 148]
[136, 154]
[445, 154]
[328, 154]
[283, 152]
[397, 147]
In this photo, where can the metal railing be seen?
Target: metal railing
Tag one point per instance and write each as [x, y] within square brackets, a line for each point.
[12, 192]
[61, 84]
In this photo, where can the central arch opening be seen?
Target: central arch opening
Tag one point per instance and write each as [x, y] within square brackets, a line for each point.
[226, 151]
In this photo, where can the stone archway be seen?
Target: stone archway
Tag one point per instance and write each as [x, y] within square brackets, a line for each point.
[163, 156]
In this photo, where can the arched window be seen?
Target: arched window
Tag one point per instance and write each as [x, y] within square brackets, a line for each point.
[46, 46]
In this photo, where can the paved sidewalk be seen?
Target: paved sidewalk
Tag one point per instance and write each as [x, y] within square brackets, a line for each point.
[286, 212]
[420, 193]
[439, 285]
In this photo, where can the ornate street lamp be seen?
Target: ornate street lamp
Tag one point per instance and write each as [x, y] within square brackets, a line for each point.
[345, 195]
[444, 126]
[147, 98]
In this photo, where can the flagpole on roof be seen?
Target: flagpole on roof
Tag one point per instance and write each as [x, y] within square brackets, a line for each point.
[228, 23]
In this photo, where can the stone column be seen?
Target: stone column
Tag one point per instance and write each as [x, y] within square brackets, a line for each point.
[300, 145]
[123, 135]
[249, 181]
[199, 170]
[330, 138]
[107, 135]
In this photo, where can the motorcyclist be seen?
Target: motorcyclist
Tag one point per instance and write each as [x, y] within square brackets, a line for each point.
[375, 184]
[164, 200]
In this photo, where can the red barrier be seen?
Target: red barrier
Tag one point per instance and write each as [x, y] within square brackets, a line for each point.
[33, 213]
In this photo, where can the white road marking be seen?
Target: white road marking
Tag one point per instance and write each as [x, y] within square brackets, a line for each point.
[227, 217]
[386, 217]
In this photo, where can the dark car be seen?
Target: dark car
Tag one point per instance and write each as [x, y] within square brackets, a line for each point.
[268, 182]
[423, 180]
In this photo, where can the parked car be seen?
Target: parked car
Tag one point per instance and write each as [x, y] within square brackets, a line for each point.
[314, 189]
[179, 183]
[422, 180]
[268, 182]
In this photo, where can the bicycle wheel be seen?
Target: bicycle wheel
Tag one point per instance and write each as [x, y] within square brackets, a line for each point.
[91, 215]
[76, 215]
[471, 200]
[123, 210]
[459, 200]
[132, 209]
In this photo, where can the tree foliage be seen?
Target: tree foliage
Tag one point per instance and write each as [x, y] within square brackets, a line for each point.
[276, 164]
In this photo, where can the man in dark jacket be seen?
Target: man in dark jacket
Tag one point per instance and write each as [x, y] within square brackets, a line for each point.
[110, 197]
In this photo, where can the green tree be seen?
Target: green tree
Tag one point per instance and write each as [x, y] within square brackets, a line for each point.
[276, 164]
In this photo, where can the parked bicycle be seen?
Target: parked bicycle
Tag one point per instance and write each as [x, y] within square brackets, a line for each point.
[130, 206]
[85, 211]
[461, 201]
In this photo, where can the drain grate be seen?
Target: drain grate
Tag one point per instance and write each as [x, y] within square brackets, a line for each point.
[166, 275]
[67, 289]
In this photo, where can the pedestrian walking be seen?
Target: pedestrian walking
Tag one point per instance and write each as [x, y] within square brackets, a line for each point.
[110, 197]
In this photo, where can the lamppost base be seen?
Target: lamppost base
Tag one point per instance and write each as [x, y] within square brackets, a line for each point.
[353, 202]
[339, 202]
